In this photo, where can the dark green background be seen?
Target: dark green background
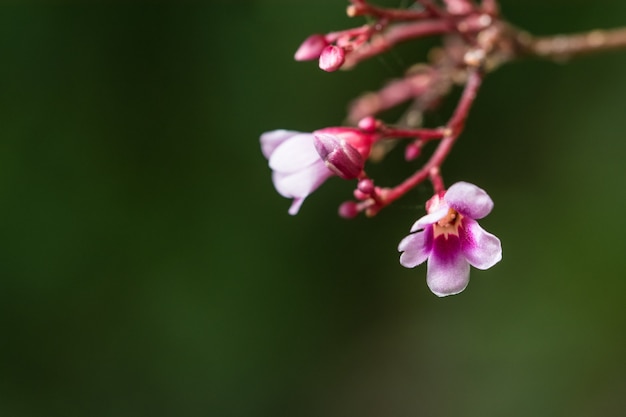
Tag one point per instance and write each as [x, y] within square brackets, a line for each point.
[148, 267]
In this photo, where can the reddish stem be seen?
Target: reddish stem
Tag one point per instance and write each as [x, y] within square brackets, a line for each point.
[394, 35]
[567, 46]
[455, 126]
[362, 8]
[437, 180]
[423, 134]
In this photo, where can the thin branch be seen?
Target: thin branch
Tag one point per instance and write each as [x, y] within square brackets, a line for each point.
[455, 125]
[560, 47]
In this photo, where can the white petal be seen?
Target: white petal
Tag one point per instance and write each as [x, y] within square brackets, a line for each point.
[271, 140]
[447, 275]
[481, 249]
[415, 249]
[431, 218]
[469, 200]
[294, 154]
[295, 206]
[303, 182]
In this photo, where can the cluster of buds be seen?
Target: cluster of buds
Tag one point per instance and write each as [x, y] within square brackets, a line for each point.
[475, 41]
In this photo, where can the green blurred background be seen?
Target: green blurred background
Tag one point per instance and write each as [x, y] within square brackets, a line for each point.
[148, 267]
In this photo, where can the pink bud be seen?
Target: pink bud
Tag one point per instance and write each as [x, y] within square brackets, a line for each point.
[366, 186]
[349, 210]
[368, 124]
[360, 195]
[331, 58]
[412, 151]
[357, 138]
[458, 7]
[339, 156]
[311, 48]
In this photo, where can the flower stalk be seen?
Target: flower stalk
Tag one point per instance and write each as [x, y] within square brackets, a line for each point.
[476, 40]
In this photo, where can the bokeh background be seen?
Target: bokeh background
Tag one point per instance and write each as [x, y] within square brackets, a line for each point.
[148, 267]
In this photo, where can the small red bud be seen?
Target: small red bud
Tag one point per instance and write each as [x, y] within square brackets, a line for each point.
[368, 124]
[360, 195]
[366, 186]
[348, 210]
[412, 151]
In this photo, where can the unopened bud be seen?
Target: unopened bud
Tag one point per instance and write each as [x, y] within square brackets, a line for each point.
[311, 48]
[366, 186]
[339, 156]
[458, 7]
[360, 195]
[349, 210]
[412, 151]
[332, 58]
[368, 124]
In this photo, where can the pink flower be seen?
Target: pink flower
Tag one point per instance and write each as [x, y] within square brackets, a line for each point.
[301, 162]
[338, 155]
[451, 239]
[297, 168]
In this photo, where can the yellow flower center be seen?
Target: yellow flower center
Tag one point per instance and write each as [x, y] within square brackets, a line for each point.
[448, 224]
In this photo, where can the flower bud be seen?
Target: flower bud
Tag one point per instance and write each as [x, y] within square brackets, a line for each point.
[368, 124]
[366, 186]
[348, 210]
[311, 48]
[332, 58]
[339, 156]
[412, 151]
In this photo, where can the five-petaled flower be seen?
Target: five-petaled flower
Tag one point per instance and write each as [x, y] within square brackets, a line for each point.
[301, 162]
[451, 239]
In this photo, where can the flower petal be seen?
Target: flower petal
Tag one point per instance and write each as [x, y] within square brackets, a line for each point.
[415, 248]
[271, 140]
[295, 205]
[303, 182]
[469, 200]
[481, 249]
[430, 218]
[448, 270]
[294, 154]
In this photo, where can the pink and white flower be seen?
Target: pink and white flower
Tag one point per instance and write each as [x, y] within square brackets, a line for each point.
[451, 239]
[301, 162]
[297, 169]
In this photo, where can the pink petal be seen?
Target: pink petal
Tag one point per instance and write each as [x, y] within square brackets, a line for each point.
[469, 200]
[448, 270]
[431, 218]
[294, 154]
[449, 278]
[481, 249]
[271, 140]
[295, 206]
[301, 183]
[416, 248]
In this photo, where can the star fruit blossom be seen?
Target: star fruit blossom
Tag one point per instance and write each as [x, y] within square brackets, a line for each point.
[451, 239]
[301, 162]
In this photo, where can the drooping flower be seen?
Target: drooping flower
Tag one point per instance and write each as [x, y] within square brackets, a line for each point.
[297, 168]
[338, 155]
[301, 162]
[451, 239]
